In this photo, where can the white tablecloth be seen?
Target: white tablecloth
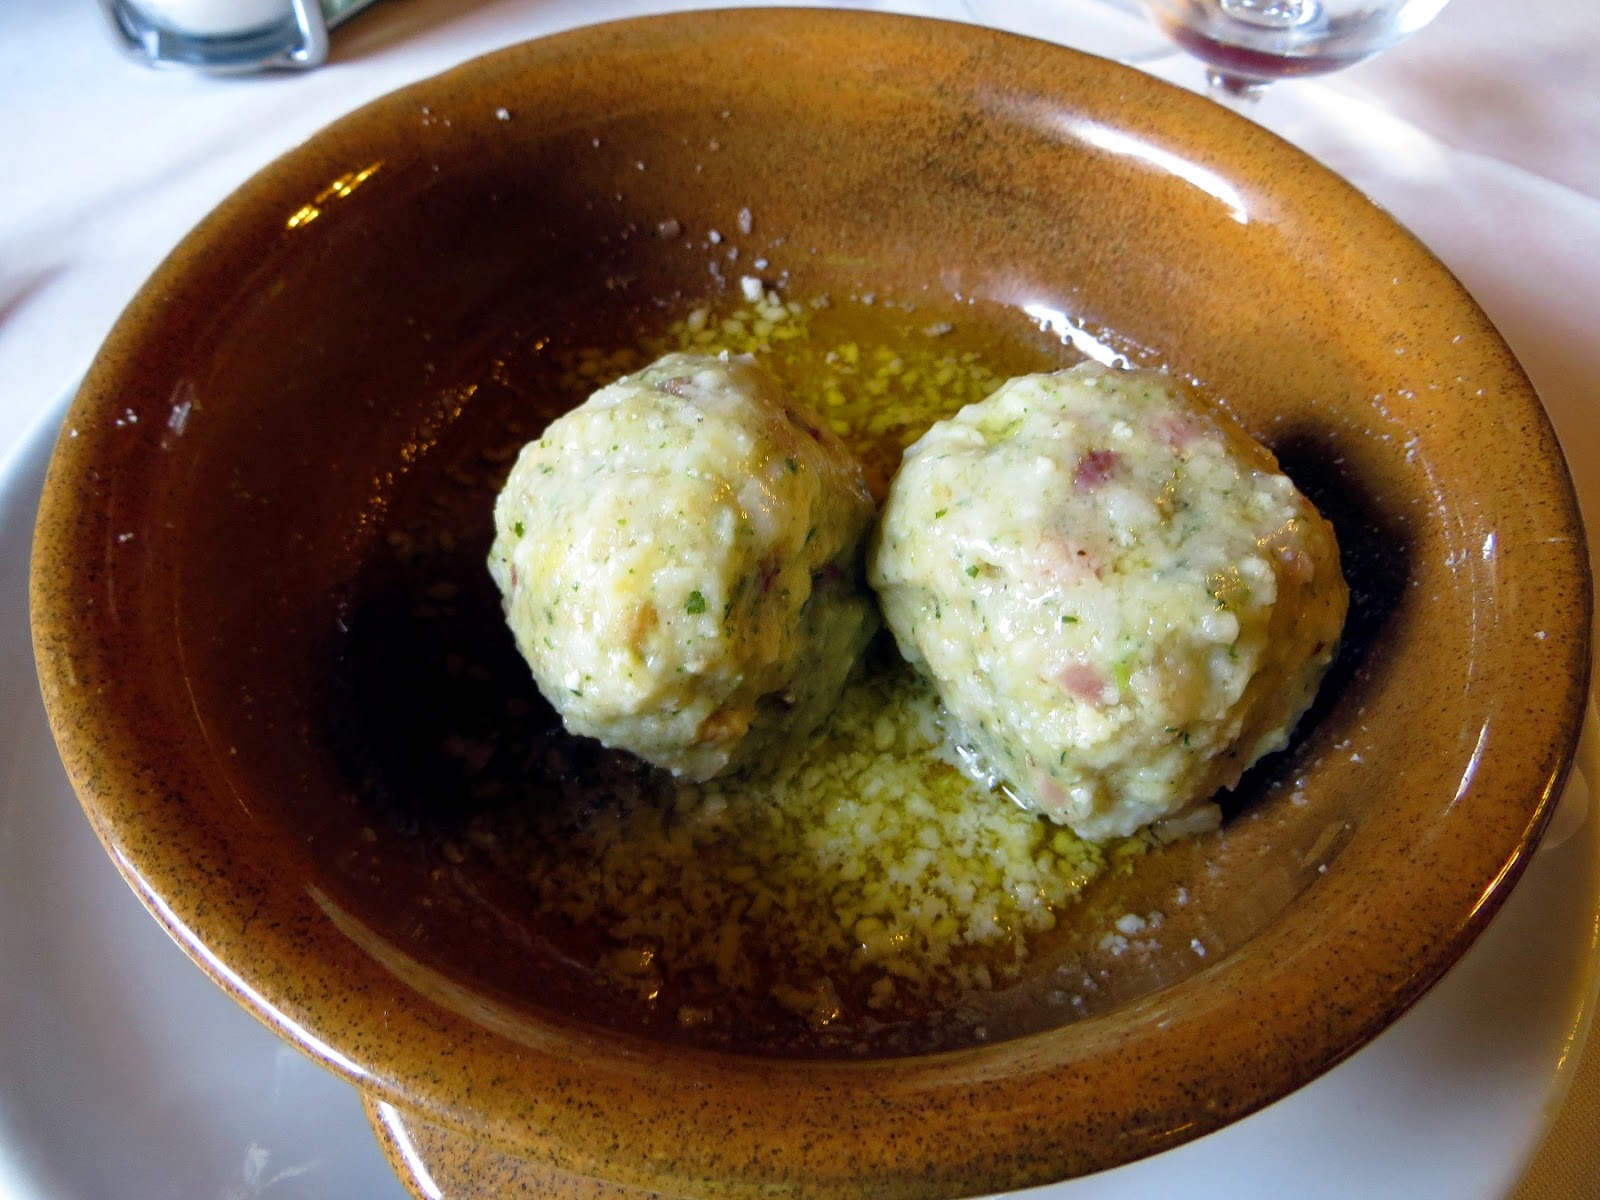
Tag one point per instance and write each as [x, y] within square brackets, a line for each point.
[1482, 135]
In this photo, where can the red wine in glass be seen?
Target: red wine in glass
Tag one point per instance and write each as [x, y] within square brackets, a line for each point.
[1247, 44]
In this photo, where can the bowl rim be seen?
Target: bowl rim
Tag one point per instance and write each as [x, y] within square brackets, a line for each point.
[526, 1100]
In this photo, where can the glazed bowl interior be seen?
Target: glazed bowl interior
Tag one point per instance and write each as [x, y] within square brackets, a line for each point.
[268, 643]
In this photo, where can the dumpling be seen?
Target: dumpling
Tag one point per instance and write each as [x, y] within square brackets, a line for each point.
[1120, 598]
[680, 560]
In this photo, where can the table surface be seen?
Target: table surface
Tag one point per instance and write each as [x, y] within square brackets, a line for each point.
[1479, 135]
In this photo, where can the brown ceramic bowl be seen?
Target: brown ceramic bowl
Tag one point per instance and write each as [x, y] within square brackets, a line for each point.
[223, 619]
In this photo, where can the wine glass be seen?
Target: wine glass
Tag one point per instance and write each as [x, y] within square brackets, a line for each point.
[1244, 44]
[1247, 44]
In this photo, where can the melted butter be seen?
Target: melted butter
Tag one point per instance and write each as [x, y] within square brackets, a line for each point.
[863, 896]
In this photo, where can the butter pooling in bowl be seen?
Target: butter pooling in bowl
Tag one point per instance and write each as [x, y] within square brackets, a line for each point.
[849, 890]
[1087, 569]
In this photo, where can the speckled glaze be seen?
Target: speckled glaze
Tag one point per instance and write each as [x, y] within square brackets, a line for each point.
[232, 451]
[433, 1161]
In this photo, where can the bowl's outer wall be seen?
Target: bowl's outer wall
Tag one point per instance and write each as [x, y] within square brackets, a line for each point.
[263, 390]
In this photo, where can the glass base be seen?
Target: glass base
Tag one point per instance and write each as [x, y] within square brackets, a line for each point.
[1236, 89]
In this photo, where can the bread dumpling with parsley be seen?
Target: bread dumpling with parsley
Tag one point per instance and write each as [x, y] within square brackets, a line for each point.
[680, 562]
[1122, 600]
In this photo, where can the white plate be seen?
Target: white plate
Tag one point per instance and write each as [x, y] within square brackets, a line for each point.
[126, 1075]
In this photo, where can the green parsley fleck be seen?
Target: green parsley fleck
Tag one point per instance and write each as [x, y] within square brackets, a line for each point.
[1069, 619]
[940, 513]
[972, 571]
[519, 528]
[697, 604]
